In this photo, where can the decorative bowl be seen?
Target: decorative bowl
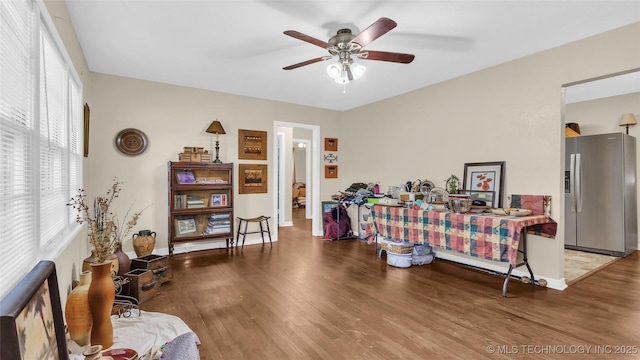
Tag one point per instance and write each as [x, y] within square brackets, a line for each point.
[460, 204]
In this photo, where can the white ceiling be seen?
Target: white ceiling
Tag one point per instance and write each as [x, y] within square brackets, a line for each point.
[238, 47]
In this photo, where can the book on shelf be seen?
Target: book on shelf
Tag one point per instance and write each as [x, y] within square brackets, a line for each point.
[180, 201]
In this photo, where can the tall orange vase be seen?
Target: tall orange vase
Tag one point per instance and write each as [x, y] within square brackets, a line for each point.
[102, 293]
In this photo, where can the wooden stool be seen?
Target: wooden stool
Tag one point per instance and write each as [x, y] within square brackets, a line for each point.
[258, 220]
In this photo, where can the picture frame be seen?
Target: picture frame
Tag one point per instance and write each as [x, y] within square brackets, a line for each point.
[31, 320]
[330, 171]
[252, 178]
[185, 177]
[252, 145]
[87, 114]
[486, 176]
[218, 200]
[186, 226]
[330, 144]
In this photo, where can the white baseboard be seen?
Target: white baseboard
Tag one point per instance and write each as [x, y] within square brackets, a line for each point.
[207, 245]
[556, 284]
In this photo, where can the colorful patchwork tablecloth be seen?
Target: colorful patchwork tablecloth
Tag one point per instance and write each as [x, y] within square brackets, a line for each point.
[486, 236]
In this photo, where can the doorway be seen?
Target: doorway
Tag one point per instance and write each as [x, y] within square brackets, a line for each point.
[302, 171]
[284, 173]
[595, 106]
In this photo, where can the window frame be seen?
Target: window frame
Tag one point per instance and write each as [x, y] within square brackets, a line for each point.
[71, 178]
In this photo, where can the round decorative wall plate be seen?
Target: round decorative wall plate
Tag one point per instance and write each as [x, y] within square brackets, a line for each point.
[131, 141]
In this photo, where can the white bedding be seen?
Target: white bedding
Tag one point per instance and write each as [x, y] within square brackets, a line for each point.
[144, 333]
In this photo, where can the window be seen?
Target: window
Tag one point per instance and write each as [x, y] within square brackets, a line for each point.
[40, 134]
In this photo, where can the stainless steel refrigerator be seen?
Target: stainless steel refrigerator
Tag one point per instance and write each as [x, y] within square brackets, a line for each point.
[600, 194]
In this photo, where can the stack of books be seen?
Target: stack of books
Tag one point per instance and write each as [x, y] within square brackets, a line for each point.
[194, 202]
[218, 224]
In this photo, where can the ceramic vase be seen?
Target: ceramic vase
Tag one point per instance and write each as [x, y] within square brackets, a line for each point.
[86, 263]
[102, 293]
[77, 312]
[113, 258]
[124, 263]
[144, 242]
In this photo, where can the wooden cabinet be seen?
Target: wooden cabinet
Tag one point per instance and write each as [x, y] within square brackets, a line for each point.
[200, 202]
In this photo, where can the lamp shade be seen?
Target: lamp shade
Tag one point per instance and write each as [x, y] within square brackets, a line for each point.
[215, 128]
[628, 119]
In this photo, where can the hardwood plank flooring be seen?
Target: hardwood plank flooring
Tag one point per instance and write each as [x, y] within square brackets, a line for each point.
[305, 298]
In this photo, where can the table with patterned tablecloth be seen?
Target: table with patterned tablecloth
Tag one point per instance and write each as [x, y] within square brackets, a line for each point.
[484, 235]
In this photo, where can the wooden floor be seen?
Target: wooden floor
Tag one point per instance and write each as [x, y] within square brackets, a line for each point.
[305, 298]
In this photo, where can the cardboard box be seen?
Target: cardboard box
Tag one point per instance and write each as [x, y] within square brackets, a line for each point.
[405, 196]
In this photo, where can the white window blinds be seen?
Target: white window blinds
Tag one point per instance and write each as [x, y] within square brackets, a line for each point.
[16, 126]
[40, 135]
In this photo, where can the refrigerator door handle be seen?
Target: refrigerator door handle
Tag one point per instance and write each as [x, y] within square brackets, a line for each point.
[578, 181]
[572, 182]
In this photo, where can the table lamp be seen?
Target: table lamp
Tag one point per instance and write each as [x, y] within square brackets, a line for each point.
[216, 128]
[628, 119]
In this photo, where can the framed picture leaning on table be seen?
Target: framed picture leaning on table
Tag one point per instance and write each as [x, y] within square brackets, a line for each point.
[486, 176]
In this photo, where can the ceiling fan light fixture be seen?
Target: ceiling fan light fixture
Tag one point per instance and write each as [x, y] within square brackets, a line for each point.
[334, 70]
[339, 71]
[342, 79]
[357, 70]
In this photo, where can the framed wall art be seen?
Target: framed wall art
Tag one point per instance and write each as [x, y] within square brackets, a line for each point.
[486, 176]
[252, 178]
[87, 113]
[31, 322]
[330, 171]
[330, 144]
[252, 145]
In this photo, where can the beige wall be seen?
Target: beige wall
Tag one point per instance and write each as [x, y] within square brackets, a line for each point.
[601, 116]
[173, 117]
[509, 112]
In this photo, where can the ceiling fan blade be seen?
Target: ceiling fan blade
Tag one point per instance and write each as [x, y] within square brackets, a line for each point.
[312, 61]
[307, 38]
[374, 31]
[386, 56]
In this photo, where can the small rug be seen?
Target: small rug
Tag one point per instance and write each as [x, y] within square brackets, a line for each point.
[580, 264]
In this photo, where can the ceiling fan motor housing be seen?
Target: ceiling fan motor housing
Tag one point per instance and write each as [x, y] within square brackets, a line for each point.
[342, 38]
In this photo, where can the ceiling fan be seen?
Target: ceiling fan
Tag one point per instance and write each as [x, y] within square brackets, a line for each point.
[346, 46]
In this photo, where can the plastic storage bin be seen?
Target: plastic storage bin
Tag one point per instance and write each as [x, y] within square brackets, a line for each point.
[399, 260]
